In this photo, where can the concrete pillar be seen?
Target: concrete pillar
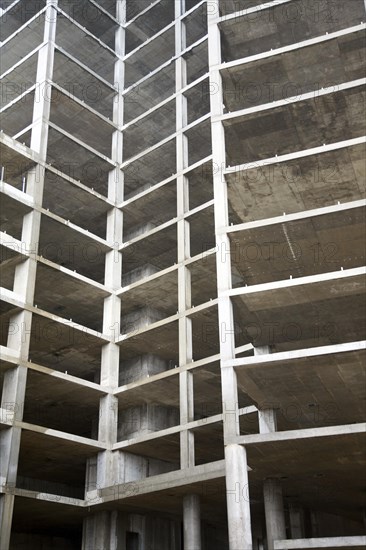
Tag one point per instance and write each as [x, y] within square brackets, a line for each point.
[267, 421]
[13, 394]
[187, 458]
[274, 511]
[192, 522]
[237, 490]
[297, 521]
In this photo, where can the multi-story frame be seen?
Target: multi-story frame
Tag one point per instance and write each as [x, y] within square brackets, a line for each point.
[182, 236]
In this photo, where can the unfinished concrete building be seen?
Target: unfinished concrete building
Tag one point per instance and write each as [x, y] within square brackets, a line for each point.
[183, 309]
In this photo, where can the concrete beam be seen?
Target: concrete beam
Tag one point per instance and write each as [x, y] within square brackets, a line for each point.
[325, 542]
[295, 155]
[281, 357]
[307, 433]
[161, 482]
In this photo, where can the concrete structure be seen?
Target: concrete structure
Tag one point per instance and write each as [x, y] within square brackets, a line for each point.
[182, 236]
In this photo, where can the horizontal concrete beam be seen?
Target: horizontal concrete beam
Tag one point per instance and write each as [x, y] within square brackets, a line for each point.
[161, 482]
[293, 355]
[48, 497]
[307, 433]
[242, 13]
[19, 148]
[286, 218]
[16, 194]
[64, 436]
[296, 155]
[325, 542]
[308, 280]
[289, 100]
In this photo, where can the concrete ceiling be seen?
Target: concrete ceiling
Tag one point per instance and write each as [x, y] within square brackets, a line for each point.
[150, 92]
[145, 26]
[149, 170]
[64, 348]
[326, 312]
[160, 293]
[196, 59]
[11, 215]
[161, 341]
[24, 42]
[149, 57]
[81, 83]
[76, 204]
[276, 27]
[89, 16]
[61, 405]
[154, 208]
[68, 297]
[85, 48]
[302, 184]
[40, 458]
[300, 248]
[329, 119]
[18, 16]
[20, 79]
[310, 391]
[164, 392]
[200, 184]
[150, 130]
[76, 161]
[158, 249]
[77, 252]
[80, 123]
[15, 164]
[294, 73]
[18, 116]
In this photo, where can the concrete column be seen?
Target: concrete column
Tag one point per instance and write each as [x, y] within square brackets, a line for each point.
[238, 510]
[274, 511]
[13, 394]
[272, 489]
[192, 522]
[267, 421]
[238, 506]
[103, 531]
[297, 521]
[107, 461]
[186, 402]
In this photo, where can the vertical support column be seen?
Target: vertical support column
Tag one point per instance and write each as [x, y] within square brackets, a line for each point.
[275, 514]
[238, 505]
[272, 488]
[25, 277]
[191, 503]
[239, 521]
[108, 417]
[105, 529]
[183, 242]
[297, 521]
[192, 522]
